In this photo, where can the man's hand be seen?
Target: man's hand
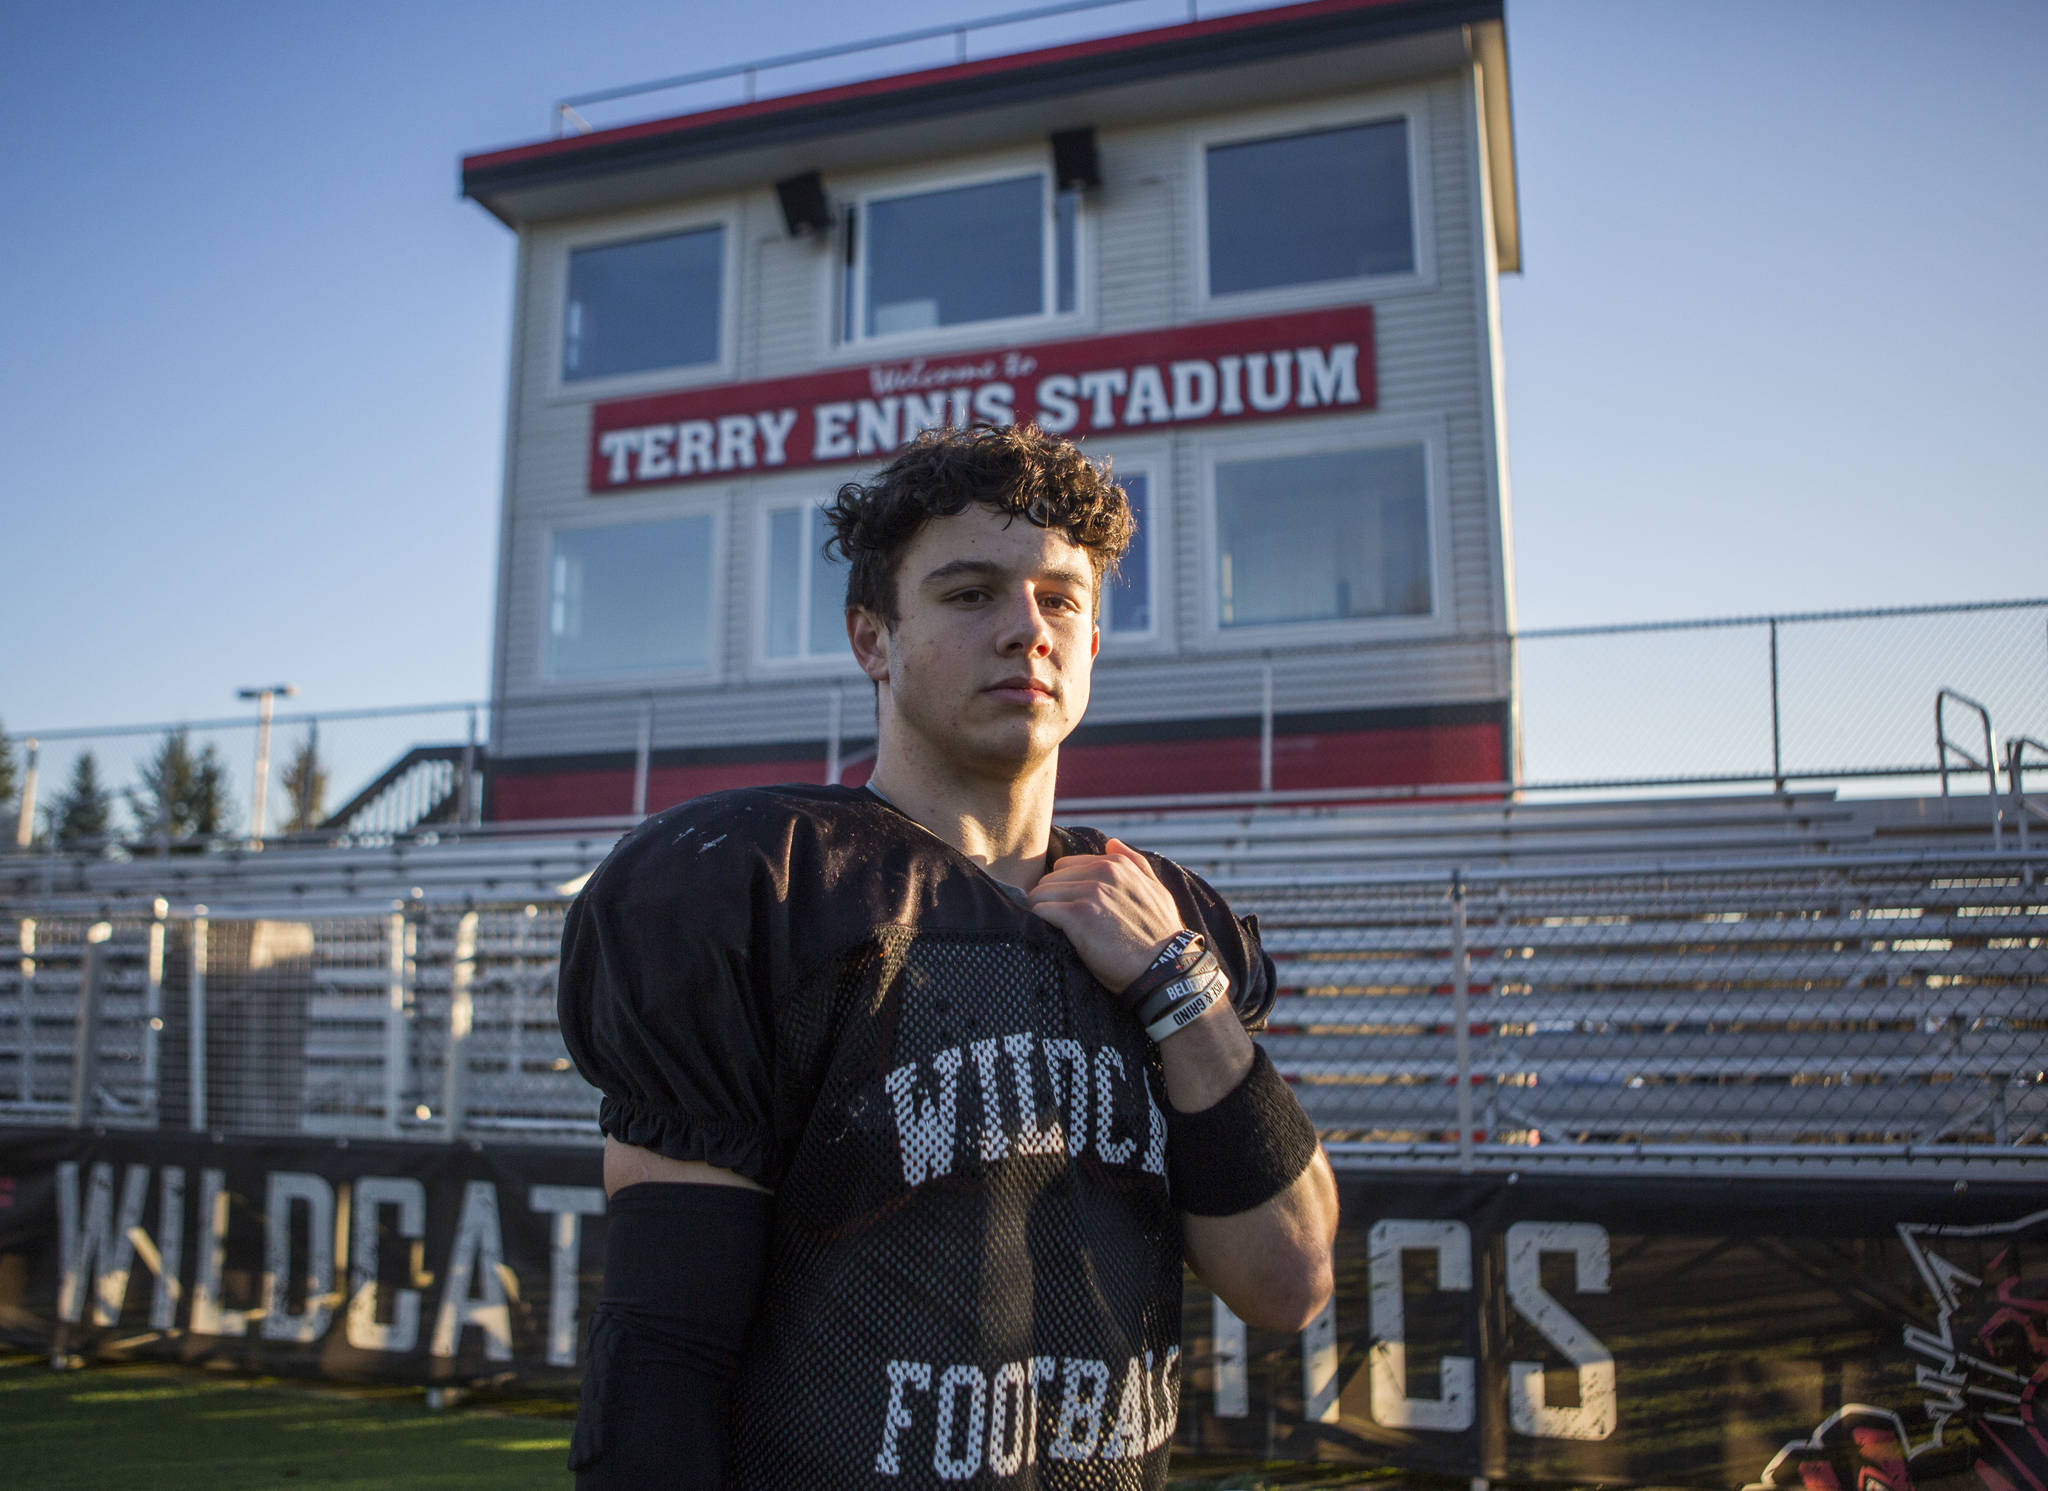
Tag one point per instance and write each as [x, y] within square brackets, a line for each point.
[1271, 1264]
[1112, 907]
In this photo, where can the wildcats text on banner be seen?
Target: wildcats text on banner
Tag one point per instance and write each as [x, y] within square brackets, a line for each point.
[1698, 1331]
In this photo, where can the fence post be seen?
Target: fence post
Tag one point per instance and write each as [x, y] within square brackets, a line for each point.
[397, 987]
[466, 802]
[25, 816]
[1266, 725]
[461, 1019]
[153, 1003]
[1461, 1012]
[641, 758]
[25, 941]
[835, 707]
[85, 1055]
[195, 1021]
[1777, 748]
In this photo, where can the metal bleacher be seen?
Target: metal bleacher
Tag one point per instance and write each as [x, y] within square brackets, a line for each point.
[1761, 973]
[1688, 974]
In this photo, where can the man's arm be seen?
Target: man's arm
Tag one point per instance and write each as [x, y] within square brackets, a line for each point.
[629, 1165]
[685, 1258]
[1271, 1263]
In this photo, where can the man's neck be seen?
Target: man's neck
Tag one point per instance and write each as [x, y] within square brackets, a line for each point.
[1002, 824]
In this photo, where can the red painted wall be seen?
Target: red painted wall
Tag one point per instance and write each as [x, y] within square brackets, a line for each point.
[1352, 758]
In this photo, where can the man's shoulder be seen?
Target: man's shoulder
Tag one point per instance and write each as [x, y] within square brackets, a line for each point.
[756, 810]
[725, 837]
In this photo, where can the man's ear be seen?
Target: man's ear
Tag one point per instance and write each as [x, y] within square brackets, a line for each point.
[1094, 641]
[867, 637]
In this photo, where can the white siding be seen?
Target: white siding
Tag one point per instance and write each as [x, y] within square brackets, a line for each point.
[1434, 364]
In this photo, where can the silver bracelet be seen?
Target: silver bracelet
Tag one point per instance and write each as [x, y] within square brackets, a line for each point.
[1188, 1010]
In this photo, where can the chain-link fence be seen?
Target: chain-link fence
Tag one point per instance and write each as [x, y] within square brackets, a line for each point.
[417, 1022]
[1872, 1001]
[1816, 1001]
[1846, 698]
[1824, 696]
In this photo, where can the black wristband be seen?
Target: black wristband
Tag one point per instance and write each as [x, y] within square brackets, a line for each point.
[1239, 1152]
[1183, 953]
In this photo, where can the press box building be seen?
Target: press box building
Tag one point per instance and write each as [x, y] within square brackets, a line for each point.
[1252, 260]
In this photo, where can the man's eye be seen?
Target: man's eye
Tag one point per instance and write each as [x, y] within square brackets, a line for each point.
[972, 593]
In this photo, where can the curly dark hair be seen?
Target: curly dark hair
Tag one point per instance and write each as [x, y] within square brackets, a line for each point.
[1015, 469]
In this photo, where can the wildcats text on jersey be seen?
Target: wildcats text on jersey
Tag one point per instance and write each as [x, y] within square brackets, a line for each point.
[1095, 1098]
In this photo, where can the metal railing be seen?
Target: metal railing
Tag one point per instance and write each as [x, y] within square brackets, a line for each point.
[1832, 698]
[1947, 749]
[2024, 808]
[568, 111]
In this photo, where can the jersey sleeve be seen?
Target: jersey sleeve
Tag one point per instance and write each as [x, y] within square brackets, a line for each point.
[1234, 939]
[662, 1005]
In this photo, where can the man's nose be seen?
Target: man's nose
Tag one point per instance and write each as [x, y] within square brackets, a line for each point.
[1024, 627]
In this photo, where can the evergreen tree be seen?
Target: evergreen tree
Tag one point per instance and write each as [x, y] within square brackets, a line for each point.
[183, 792]
[84, 810]
[211, 812]
[10, 782]
[305, 785]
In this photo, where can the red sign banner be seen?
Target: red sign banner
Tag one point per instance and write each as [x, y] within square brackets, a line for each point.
[1316, 362]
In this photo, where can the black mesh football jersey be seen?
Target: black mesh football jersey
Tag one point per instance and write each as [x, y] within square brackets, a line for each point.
[975, 1272]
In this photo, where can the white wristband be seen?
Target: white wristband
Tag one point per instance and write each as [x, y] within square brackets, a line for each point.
[1188, 1010]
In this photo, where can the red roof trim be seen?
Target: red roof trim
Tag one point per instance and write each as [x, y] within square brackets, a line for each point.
[905, 82]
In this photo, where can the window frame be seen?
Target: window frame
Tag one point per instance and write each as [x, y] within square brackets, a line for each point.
[621, 230]
[837, 665]
[841, 348]
[1155, 459]
[617, 512]
[1411, 105]
[1292, 438]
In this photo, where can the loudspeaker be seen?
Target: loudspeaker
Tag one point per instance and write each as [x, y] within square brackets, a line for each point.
[804, 208]
[1074, 166]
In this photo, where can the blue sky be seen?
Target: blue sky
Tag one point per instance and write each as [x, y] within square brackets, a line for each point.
[1776, 345]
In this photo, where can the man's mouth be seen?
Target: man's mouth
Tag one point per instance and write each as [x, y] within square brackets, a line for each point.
[1021, 690]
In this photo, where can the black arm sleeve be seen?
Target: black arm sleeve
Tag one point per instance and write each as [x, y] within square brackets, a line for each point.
[683, 1266]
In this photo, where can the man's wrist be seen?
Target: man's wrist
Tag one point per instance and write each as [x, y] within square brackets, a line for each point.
[1185, 1001]
[1241, 1150]
[1180, 955]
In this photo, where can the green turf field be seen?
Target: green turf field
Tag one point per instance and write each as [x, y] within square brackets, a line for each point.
[184, 1429]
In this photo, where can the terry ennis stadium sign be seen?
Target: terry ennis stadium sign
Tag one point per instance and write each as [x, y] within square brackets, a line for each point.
[1269, 368]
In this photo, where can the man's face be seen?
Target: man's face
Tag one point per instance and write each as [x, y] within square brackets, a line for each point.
[988, 664]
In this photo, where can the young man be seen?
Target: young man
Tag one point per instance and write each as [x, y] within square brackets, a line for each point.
[914, 1103]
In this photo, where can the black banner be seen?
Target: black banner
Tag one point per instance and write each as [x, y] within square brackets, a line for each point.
[1722, 1333]
[346, 1259]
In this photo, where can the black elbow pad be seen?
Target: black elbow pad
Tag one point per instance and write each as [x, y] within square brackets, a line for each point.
[683, 1268]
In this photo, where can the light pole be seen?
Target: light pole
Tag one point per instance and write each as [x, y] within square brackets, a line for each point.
[264, 697]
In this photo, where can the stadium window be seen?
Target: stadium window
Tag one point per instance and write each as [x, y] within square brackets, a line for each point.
[1325, 536]
[643, 305]
[805, 592]
[1004, 249]
[1319, 207]
[1127, 604]
[631, 598]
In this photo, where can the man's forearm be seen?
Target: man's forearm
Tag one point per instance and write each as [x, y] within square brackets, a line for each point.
[1271, 1263]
